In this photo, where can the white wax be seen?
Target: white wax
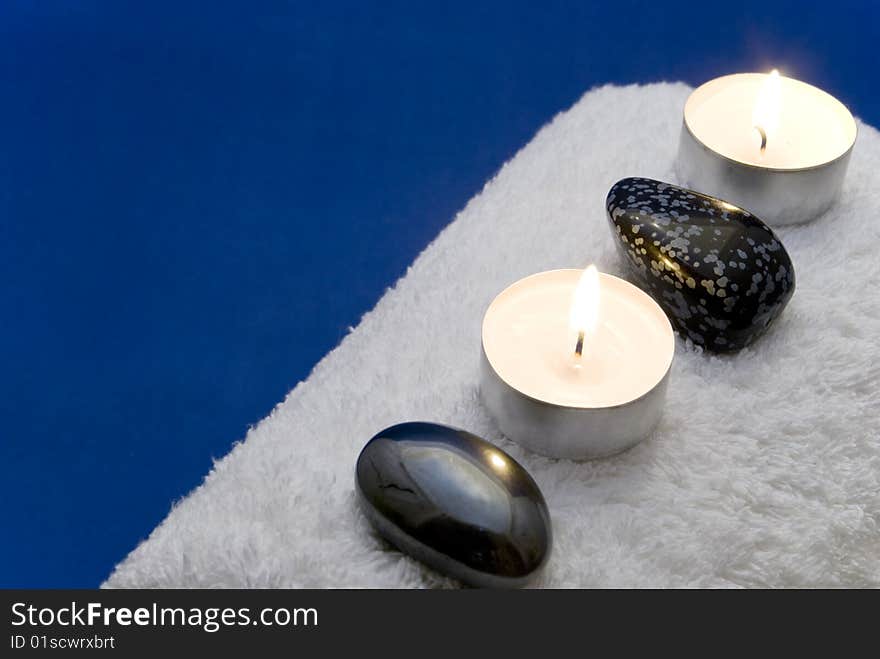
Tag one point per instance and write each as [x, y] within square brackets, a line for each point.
[529, 343]
[812, 127]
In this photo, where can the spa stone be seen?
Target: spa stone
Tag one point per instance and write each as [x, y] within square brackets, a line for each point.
[455, 502]
[720, 274]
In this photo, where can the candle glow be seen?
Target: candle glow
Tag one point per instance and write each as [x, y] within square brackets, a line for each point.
[765, 115]
[584, 314]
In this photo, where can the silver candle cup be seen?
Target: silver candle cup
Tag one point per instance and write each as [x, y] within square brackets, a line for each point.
[576, 433]
[779, 196]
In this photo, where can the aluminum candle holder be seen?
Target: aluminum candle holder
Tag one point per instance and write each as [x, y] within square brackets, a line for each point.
[577, 433]
[541, 401]
[775, 146]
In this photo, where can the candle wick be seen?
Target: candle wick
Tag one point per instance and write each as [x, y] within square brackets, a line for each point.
[763, 138]
[579, 347]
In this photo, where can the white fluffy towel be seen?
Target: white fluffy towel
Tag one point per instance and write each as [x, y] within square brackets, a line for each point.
[765, 470]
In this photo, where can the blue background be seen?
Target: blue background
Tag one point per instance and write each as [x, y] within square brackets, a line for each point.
[198, 199]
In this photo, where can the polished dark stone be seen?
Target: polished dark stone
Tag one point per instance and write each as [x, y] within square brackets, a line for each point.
[455, 502]
[720, 274]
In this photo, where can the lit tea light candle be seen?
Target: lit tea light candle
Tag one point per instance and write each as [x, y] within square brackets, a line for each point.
[575, 363]
[773, 145]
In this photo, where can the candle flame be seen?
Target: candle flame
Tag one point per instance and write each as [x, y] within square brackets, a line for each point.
[584, 313]
[765, 114]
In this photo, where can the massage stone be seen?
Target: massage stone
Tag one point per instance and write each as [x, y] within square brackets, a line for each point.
[720, 274]
[455, 502]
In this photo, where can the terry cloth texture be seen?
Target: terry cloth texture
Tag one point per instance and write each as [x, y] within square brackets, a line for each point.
[765, 470]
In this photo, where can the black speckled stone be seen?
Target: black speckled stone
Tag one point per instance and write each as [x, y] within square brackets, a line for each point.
[720, 274]
[455, 502]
